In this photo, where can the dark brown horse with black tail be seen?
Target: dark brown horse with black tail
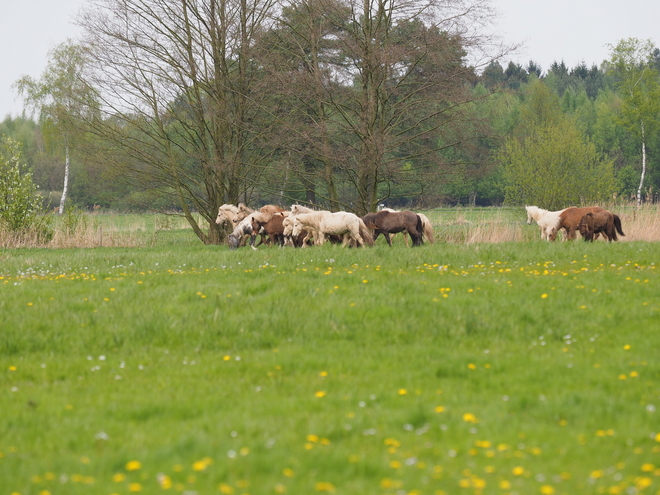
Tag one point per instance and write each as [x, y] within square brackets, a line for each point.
[601, 222]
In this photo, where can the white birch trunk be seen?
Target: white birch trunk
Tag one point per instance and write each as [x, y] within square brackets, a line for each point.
[641, 181]
[65, 188]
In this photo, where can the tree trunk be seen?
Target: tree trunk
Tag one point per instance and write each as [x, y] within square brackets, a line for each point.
[65, 187]
[641, 180]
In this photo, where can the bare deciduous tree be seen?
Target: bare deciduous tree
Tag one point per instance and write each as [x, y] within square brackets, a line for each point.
[180, 95]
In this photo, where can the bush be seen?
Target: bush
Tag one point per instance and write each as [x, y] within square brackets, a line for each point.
[21, 210]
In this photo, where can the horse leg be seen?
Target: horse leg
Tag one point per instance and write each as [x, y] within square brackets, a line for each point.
[387, 238]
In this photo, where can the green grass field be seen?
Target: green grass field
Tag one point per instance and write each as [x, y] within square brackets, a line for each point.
[509, 368]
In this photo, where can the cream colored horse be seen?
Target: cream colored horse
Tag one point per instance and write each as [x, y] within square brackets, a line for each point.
[322, 223]
[548, 221]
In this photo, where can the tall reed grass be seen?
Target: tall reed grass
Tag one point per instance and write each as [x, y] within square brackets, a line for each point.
[451, 225]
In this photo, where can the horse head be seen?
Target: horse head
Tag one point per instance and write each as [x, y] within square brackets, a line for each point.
[287, 223]
[234, 241]
[297, 227]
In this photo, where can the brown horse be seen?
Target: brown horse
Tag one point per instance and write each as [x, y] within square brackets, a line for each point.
[569, 220]
[273, 227]
[601, 222]
[388, 222]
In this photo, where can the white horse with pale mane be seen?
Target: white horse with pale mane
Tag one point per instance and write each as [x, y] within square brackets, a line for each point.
[322, 223]
[548, 221]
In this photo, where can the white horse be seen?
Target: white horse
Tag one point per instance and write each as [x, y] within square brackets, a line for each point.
[322, 223]
[548, 221]
[300, 209]
[244, 228]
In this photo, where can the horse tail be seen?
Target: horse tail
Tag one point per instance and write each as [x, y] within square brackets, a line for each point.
[365, 233]
[420, 231]
[617, 224]
[428, 229]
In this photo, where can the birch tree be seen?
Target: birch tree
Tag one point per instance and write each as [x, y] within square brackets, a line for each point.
[638, 82]
[62, 100]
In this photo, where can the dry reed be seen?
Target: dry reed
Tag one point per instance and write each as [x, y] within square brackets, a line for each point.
[484, 226]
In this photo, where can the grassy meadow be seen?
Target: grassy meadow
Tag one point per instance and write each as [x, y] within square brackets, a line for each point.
[462, 367]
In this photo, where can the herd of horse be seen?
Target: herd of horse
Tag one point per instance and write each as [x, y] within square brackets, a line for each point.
[590, 222]
[301, 226]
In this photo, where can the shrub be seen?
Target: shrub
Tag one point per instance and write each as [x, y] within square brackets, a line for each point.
[21, 210]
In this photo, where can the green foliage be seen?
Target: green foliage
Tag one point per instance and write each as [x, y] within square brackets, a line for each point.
[554, 166]
[20, 205]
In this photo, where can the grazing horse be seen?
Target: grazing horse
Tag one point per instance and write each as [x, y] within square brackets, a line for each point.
[244, 228]
[548, 221]
[569, 219]
[322, 223]
[597, 223]
[387, 222]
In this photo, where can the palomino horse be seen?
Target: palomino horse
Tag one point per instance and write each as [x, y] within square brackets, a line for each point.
[227, 213]
[388, 222]
[322, 223]
[600, 222]
[548, 221]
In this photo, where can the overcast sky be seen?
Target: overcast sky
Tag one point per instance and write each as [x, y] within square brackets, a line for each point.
[551, 30]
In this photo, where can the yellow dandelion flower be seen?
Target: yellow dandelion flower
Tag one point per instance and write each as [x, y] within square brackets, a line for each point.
[288, 472]
[395, 464]
[547, 490]
[226, 489]
[133, 465]
[643, 482]
[135, 487]
[324, 486]
[518, 471]
[439, 409]
[320, 394]
[505, 485]
[544, 296]
[119, 477]
[403, 391]
[648, 467]
[627, 347]
[472, 366]
[470, 418]
[199, 465]
[596, 474]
